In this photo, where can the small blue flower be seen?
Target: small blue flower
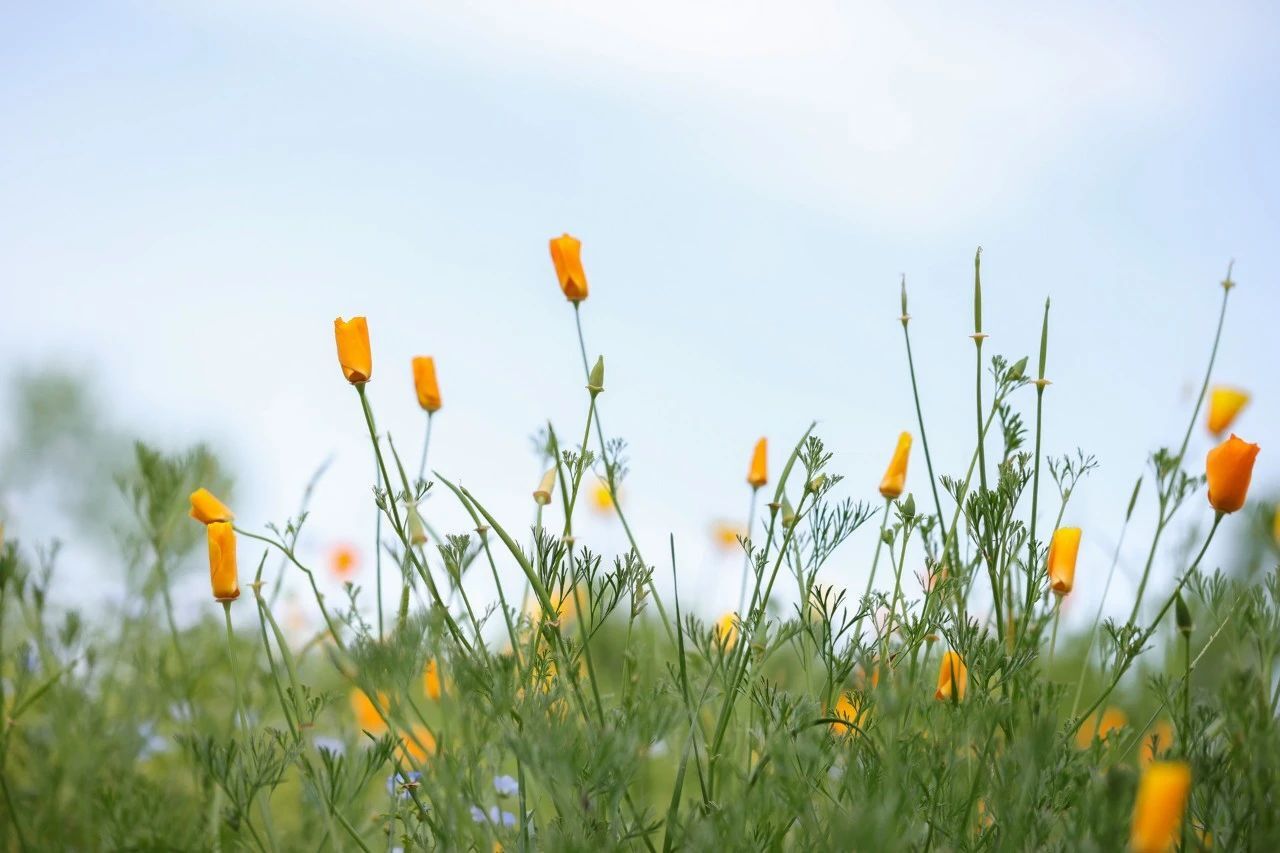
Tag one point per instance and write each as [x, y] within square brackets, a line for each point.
[397, 782]
[506, 786]
[495, 816]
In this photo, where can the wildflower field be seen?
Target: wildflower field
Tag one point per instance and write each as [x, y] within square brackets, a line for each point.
[937, 706]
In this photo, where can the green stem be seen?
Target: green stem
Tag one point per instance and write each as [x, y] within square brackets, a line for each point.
[924, 439]
[1141, 641]
[746, 556]
[875, 560]
[235, 670]
[1182, 450]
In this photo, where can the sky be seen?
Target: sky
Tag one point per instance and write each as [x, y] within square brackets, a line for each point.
[191, 192]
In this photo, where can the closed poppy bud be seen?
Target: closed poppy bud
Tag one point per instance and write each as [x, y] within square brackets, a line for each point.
[895, 479]
[595, 381]
[1158, 807]
[566, 254]
[417, 529]
[542, 495]
[353, 349]
[758, 473]
[953, 677]
[222, 561]
[424, 382]
[431, 680]
[1229, 468]
[206, 509]
[1062, 559]
[1224, 405]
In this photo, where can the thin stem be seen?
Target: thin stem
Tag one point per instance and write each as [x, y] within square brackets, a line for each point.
[746, 556]
[1141, 641]
[1186, 439]
[875, 560]
[1053, 637]
[924, 439]
[426, 445]
[235, 670]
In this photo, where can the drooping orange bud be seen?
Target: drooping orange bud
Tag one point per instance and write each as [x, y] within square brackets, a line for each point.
[431, 679]
[758, 473]
[1062, 559]
[566, 254]
[424, 382]
[1158, 807]
[895, 479]
[222, 561]
[1229, 468]
[353, 349]
[206, 509]
[953, 676]
[366, 713]
[1224, 404]
[726, 631]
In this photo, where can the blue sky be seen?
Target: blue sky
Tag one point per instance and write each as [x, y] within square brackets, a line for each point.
[190, 193]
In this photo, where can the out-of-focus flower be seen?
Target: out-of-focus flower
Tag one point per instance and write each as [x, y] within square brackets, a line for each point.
[1158, 807]
[726, 534]
[506, 786]
[1224, 405]
[850, 709]
[494, 816]
[1063, 550]
[1155, 742]
[758, 473]
[566, 254]
[398, 784]
[222, 561]
[1229, 468]
[418, 745]
[1112, 719]
[425, 384]
[564, 602]
[431, 679]
[725, 632]
[344, 561]
[601, 497]
[354, 355]
[542, 494]
[367, 717]
[895, 478]
[207, 509]
[1275, 526]
[953, 677]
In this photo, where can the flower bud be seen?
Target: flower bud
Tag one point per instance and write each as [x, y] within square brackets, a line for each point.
[1224, 404]
[1229, 468]
[953, 677]
[222, 561]
[1063, 550]
[1183, 615]
[1158, 807]
[895, 478]
[425, 384]
[758, 473]
[542, 494]
[417, 529]
[566, 255]
[354, 355]
[595, 383]
[206, 509]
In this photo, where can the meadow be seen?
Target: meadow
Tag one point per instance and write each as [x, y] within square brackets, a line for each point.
[938, 707]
